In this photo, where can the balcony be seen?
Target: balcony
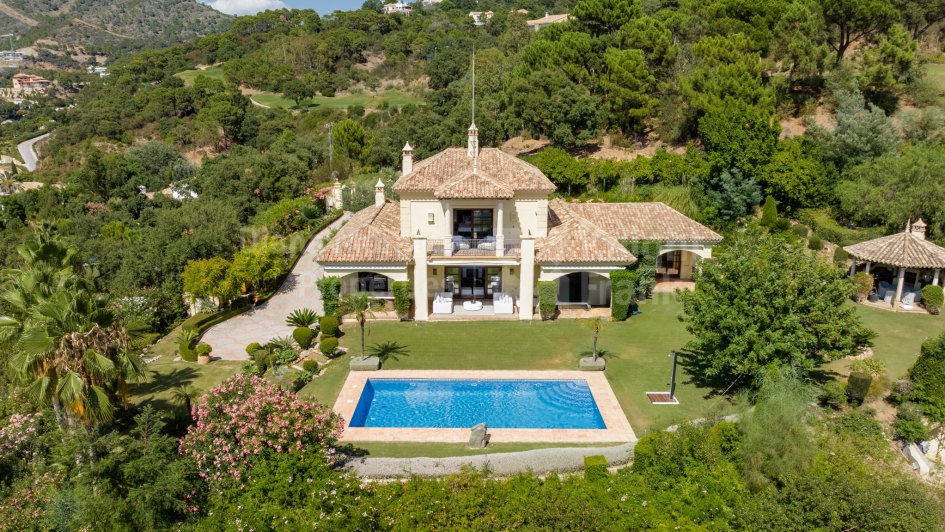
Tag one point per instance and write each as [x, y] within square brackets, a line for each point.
[458, 246]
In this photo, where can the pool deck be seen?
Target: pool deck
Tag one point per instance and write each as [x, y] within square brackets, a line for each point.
[618, 428]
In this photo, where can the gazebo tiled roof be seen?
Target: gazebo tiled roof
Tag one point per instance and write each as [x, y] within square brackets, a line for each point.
[903, 250]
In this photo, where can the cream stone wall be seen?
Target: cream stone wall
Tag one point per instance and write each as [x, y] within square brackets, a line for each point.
[519, 216]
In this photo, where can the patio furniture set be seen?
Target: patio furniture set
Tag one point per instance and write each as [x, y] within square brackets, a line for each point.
[502, 303]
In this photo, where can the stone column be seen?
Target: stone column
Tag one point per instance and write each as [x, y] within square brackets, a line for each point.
[420, 298]
[500, 230]
[868, 264]
[448, 241]
[526, 289]
[918, 276]
[901, 280]
[935, 277]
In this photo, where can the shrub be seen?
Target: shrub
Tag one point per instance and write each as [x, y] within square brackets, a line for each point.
[871, 365]
[303, 336]
[933, 297]
[801, 230]
[769, 213]
[328, 346]
[329, 326]
[840, 257]
[330, 289]
[301, 317]
[623, 290]
[252, 347]
[647, 253]
[858, 386]
[547, 299]
[204, 349]
[595, 467]
[864, 284]
[247, 419]
[910, 411]
[928, 375]
[823, 223]
[833, 395]
[261, 357]
[910, 430]
[310, 366]
[859, 422]
[401, 291]
[815, 243]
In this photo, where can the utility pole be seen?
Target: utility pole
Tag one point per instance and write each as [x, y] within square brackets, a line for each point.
[331, 149]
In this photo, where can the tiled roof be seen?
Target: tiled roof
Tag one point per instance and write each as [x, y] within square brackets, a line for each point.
[371, 235]
[452, 164]
[574, 239]
[645, 221]
[473, 185]
[901, 249]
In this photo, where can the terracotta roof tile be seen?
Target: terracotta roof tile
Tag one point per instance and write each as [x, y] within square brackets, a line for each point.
[645, 221]
[574, 239]
[473, 185]
[453, 164]
[371, 235]
[901, 249]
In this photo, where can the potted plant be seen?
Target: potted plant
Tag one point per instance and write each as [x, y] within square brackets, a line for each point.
[864, 285]
[203, 353]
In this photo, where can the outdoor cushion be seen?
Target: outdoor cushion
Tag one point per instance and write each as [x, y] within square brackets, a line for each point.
[908, 298]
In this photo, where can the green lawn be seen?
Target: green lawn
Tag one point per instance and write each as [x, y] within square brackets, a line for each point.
[638, 356]
[189, 76]
[367, 100]
[935, 73]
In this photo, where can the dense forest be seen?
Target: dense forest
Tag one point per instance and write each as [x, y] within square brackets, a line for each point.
[169, 173]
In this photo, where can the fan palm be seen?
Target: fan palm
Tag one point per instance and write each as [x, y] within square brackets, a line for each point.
[362, 306]
[301, 317]
[185, 395]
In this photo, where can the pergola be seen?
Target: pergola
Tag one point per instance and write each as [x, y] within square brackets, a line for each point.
[904, 251]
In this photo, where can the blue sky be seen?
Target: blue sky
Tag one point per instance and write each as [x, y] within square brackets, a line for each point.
[248, 7]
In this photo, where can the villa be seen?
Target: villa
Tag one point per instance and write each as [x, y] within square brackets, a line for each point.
[474, 231]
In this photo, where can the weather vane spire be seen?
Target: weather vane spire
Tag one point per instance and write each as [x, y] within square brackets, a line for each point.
[472, 149]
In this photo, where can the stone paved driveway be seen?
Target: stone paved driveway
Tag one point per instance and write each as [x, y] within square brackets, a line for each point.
[229, 339]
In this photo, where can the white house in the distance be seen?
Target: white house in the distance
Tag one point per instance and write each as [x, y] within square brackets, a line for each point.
[547, 20]
[398, 7]
[480, 18]
[475, 226]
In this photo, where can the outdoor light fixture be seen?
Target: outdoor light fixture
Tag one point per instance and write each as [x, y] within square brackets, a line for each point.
[430, 217]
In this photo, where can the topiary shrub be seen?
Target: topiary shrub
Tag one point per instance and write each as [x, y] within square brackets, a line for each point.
[303, 336]
[252, 347]
[801, 230]
[833, 395]
[864, 284]
[595, 467]
[328, 346]
[204, 349]
[858, 386]
[933, 297]
[401, 290]
[815, 243]
[623, 290]
[330, 289]
[329, 326]
[769, 213]
[310, 366]
[547, 299]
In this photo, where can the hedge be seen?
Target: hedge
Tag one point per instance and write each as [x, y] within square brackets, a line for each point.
[200, 323]
[330, 289]
[595, 467]
[824, 225]
[623, 288]
[547, 299]
[858, 386]
[933, 297]
[401, 291]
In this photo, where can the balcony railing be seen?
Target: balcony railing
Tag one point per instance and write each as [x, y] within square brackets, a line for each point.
[474, 247]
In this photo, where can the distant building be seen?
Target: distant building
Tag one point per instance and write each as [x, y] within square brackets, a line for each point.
[480, 18]
[547, 20]
[100, 70]
[398, 7]
[431, 3]
[30, 84]
[11, 56]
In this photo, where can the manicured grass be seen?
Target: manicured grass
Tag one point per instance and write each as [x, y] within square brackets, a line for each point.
[898, 338]
[189, 76]
[637, 352]
[935, 73]
[440, 450]
[367, 100]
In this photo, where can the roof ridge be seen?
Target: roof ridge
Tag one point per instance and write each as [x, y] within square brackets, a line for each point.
[588, 224]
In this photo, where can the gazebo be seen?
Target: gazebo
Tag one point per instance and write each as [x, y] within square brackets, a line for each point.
[903, 253]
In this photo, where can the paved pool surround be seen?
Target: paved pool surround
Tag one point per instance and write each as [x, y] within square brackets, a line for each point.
[617, 428]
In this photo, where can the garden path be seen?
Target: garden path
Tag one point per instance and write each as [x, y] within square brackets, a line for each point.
[266, 321]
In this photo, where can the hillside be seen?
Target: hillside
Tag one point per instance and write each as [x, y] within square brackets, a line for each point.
[108, 26]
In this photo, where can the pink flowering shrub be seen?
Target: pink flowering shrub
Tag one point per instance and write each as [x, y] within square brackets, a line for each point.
[17, 433]
[246, 418]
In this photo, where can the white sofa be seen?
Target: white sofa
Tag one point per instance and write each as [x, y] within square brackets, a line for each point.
[502, 303]
[443, 303]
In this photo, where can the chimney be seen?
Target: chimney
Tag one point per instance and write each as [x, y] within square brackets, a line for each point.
[918, 229]
[379, 193]
[336, 199]
[472, 149]
[407, 165]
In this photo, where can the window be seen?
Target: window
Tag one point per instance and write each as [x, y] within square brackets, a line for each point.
[371, 282]
[472, 223]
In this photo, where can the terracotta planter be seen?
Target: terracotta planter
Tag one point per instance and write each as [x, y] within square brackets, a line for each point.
[203, 359]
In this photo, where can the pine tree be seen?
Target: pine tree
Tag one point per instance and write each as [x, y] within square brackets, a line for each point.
[769, 213]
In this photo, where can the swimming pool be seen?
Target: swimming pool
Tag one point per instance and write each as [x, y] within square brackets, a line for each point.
[462, 403]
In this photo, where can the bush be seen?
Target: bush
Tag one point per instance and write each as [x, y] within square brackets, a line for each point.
[871, 365]
[910, 411]
[547, 299]
[329, 326]
[860, 423]
[933, 297]
[595, 467]
[301, 317]
[187, 352]
[252, 347]
[330, 289]
[261, 357]
[815, 243]
[864, 284]
[858, 386]
[401, 291]
[328, 346]
[910, 430]
[769, 213]
[310, 366]
[833, 395]
[204, 349]
[823, 223]
[303, 336]
[801, 230]
[840, 257]
[623, 290]
[928, 375]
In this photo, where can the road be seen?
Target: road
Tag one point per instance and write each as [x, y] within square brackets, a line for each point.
[28, 153]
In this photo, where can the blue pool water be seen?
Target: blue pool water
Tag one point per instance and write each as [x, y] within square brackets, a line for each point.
[462, 403]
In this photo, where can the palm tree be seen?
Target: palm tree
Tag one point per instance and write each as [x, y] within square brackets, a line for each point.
[595, 324]
[185, 395]
[362, 306]
[301, 317]
[68, 348]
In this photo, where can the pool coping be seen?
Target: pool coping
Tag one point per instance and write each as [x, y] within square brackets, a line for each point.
[617, 426]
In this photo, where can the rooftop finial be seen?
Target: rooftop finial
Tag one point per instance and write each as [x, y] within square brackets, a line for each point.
[472, 149]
